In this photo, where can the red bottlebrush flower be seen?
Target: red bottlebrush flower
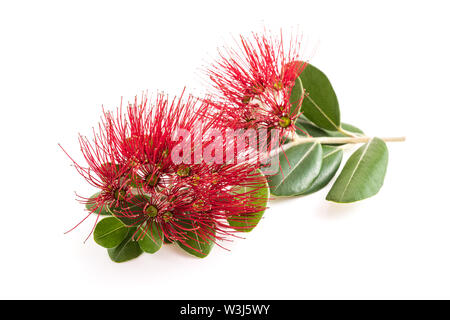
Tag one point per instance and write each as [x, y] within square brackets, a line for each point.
[254, 83]
[202, 205]
[131, 161]
[103, 172]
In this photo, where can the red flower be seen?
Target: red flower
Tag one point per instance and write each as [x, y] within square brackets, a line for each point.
[254, 83]
[131, 161]
[203, 205]
[103, 172]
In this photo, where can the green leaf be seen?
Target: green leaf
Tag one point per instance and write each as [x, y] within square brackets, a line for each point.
[296, 96]
[363, 174]
[194, 243]
[320, 104]
[152, 240]
[304, 127]
[129, 212]
[259, 193]
[297, 174]
[331, 161]
[128, 249]
[110, 232]
[91, 203]
[347, 127]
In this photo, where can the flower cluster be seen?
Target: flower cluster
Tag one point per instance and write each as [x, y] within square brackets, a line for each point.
[131, 161]
[254, 82]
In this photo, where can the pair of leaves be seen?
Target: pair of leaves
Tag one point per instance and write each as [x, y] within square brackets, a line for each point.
[311, 167]
[331, 160]
[120, 240]
[306, 168]
[119, 233]
[149, 233]
[112, 234]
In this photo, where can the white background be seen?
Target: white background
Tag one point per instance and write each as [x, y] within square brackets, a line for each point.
[389, 64]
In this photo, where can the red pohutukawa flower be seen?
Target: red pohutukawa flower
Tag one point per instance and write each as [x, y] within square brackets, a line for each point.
[254, 83]
[163, 188]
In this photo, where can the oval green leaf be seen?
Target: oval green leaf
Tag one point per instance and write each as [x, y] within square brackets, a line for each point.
[259, 196]
[363, 174]
[194, 244]
[110, 232]
[320, 104]
[152, 240]
[91, 204]
[331, 160]
[297, 174]
[128, 249]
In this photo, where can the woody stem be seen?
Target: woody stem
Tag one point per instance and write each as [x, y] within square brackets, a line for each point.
[340, 140]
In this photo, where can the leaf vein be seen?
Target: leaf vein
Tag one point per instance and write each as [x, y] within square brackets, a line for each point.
[108, 233]
[297, 164]
[356, 168]
[322, 112]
